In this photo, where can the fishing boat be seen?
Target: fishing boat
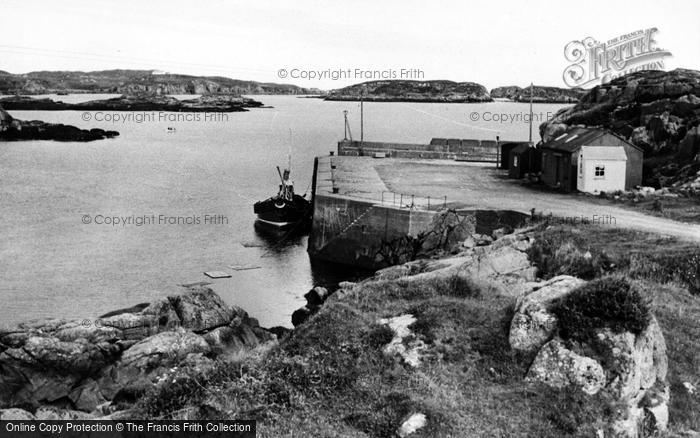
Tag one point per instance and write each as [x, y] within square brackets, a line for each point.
[286, 208]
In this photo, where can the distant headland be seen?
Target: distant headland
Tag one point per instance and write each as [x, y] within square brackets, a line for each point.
[134, 82]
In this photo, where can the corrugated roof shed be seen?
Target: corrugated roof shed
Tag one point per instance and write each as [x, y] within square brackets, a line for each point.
[573, 139]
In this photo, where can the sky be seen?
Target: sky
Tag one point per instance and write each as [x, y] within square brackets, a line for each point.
[491, 42]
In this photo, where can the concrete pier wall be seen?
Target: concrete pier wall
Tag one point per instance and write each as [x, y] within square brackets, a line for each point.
[355, 232]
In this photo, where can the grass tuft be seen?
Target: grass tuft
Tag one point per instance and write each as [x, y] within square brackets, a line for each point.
[610, 302]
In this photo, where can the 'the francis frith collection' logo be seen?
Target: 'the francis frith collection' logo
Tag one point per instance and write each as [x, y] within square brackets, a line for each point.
[595, 62]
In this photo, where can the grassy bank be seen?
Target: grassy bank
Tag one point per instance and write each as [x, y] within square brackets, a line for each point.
[330, 377]
[684, 208]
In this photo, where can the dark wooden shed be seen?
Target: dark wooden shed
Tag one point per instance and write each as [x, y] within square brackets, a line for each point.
[505, 148]
[524, 159]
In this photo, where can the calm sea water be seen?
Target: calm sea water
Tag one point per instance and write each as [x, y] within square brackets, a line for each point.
[54, 265]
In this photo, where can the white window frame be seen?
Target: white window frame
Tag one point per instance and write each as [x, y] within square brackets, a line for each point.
[599, 171]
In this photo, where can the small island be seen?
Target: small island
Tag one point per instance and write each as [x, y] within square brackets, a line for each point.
[413, 91]
[540, 94]
[137, 102]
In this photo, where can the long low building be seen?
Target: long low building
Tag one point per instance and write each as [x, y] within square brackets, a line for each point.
[438, 148]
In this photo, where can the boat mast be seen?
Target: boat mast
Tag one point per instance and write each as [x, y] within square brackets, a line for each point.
[289, 152]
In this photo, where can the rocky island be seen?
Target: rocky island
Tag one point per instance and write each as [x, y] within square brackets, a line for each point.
[137, 102]
[134, 82]
[413, 91]
[656, 110]
[12, 129]
[540, 94]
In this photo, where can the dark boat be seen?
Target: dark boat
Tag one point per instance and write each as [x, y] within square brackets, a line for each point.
[286, 209]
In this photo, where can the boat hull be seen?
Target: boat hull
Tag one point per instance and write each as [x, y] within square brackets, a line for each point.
[282, 213]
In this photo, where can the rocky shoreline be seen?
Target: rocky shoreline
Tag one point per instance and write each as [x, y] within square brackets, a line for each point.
[12, 129]
[139, 102]
[87, 368]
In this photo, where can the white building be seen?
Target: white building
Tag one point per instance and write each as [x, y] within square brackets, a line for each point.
[601, 169]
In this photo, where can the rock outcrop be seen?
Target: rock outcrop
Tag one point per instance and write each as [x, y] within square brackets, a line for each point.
[405, 344]
[85, 364]
[314, 300]
[534, 324]
[559, 367]
[655, 110]
[540, 94]
[630, 368]
[12, 129]
[413, 91]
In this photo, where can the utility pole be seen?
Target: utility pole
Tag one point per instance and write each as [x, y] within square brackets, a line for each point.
[531, 92]
[362, 119]
[498, 151]
[345, 114]
[530, 145]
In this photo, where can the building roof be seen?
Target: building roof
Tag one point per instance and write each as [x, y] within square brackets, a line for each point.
[523, 147]
[609, 153]
[576, 137]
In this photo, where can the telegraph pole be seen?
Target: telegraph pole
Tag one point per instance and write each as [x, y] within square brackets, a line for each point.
[531, 92]
[345, 114]
[362, 120]
[530, 145]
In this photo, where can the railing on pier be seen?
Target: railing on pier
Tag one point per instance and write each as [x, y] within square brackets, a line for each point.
[392, 199]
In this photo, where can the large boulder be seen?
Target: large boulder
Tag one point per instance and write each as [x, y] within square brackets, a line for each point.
[533, 323]
[45, 369]
[202, 309]
[501, 262]
[628, 363]
[637, 368]
[559, 367]
[163, 349]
